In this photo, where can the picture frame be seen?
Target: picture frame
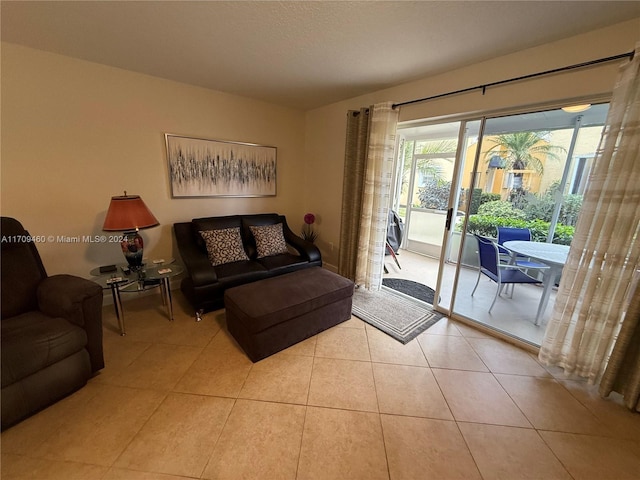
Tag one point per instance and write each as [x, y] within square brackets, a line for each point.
[200, 167]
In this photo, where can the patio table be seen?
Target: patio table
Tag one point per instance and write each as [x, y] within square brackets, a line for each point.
[551, 254]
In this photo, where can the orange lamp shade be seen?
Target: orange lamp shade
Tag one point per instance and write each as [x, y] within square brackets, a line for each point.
[128, 212]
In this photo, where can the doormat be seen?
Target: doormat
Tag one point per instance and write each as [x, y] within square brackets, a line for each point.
[393, 313]
[411, 288]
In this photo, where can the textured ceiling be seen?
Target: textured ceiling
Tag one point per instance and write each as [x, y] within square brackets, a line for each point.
[301, 54]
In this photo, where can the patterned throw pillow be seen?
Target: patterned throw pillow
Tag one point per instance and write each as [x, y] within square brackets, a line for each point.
[224, 246]
[269, 240]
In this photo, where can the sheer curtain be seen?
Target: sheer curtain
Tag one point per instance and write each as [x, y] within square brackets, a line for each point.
[595, 290]
[369, 154]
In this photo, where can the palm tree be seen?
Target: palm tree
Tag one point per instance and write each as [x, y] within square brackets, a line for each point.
[522, 150]
[425, 165]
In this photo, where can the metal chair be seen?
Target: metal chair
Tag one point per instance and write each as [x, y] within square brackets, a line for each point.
[500, 273]
[506, 234]
[393, 254]
[395, 232]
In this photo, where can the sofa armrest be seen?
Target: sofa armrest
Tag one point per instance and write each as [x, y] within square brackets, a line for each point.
[196, 262]
[201, 271]
[79, 301]
[306, 249]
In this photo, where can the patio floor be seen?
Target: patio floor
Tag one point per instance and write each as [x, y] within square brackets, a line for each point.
[512, 316]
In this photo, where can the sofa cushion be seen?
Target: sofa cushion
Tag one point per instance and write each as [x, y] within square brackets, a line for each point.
[269, 240]
[224, 246]
[33, 341]
[245, 271]
[286, 262]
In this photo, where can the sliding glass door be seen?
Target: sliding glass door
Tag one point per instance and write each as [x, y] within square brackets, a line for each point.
[430, 160]
[458, 179]
[528, 172]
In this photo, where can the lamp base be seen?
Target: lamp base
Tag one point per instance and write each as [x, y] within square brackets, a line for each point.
[132, 247]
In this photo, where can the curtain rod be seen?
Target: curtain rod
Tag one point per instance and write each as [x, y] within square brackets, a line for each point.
[516, 79]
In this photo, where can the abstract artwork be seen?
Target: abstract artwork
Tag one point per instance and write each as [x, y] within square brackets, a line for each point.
[204, 168]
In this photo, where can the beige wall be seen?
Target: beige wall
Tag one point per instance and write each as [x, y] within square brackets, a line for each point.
[74, 133]
[325, 127]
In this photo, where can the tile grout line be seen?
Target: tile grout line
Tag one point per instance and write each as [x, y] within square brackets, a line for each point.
[304, 425]
[554, 453]
[379, 414]
[213, 448]
[135, 435]
[473, 457]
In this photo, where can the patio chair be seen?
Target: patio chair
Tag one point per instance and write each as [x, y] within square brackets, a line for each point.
[395, 232]
[502, 274]
[506, 234]
[393, 255]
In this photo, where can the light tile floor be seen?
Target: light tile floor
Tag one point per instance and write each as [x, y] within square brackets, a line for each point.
[180, 400]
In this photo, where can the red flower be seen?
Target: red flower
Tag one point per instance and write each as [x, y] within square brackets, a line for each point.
[307, 230]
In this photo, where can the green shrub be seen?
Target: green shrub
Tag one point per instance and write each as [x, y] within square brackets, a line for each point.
[570, 209]
[563, 234]
[486, 197]
[542, 207]
[486, 225]
[434, 193]
[539, 230]
[500, 208]
[476, 198]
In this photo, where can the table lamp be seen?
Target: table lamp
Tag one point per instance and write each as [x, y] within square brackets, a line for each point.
[129, 214]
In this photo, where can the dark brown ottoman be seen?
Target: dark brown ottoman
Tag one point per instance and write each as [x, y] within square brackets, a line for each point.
[272, 314]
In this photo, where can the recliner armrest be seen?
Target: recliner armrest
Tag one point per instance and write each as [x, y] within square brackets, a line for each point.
[79, 301]
[63, 296]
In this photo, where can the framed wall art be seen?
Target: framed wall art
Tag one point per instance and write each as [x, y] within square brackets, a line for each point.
[213, 168]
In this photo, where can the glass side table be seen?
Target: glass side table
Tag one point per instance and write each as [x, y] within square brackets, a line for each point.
[150, 275]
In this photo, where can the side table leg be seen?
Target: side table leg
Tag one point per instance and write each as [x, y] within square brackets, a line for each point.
[117, 305]
[166, 288]
[163, 294]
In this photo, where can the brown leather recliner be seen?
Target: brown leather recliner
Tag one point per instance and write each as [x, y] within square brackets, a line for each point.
[51, 329]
